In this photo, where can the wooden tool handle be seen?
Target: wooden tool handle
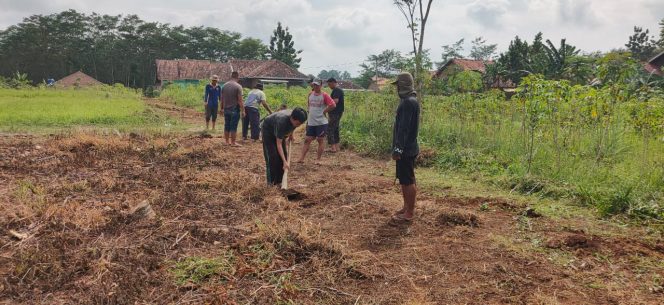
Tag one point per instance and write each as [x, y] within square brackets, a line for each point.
[284, 182]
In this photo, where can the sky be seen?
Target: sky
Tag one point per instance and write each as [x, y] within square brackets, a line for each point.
[341, 34]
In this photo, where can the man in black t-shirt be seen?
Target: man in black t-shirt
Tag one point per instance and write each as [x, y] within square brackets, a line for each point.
[335, 115]
[276, 128]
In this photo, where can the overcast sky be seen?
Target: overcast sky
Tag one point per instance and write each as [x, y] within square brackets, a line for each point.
[340, 34]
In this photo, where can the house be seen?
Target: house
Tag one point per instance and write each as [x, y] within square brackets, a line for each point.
[251, 72]
[77, 80]
[654, 65]
[348, 85]
[378, 83]
[459, 64]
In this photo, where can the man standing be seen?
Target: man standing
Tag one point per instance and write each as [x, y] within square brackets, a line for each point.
[320, 103]
[276, 128]
[233, 107]
[335, 115]
[404, 144]
[211, 101]
[252, 113]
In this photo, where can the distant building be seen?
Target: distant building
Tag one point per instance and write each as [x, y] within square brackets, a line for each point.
[77, 80]
[654, 65]
[348, 85]
[378, 83]
[457, 65]
[251, 72]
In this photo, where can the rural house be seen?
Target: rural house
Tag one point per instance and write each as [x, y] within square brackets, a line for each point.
[349, 85]
[251, 72]
[458, 64]
[654, 65]
[77, 80]
[378, 83]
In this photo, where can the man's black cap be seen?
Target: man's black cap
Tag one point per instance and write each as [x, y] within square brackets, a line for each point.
[331, 80]
[259, 86]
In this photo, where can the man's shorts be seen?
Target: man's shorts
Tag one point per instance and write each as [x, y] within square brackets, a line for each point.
[211, 112]
[317, 131]
[231, 119]
[406, 170]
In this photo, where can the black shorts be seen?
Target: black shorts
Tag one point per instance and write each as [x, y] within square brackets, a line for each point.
[319, 131]
[211, 112]
[406, 170]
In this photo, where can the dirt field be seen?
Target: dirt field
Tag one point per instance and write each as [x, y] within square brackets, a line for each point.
[135, 219]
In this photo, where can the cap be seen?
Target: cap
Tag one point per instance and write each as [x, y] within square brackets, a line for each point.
[214, 77]
[404, 80]
[317, 82]
[259, 86]
[331, 80]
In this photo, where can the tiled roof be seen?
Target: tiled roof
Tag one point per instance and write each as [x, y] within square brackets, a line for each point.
[203, 69]
[466, 65]
[77, 79]
[653, 69]
[348, 85]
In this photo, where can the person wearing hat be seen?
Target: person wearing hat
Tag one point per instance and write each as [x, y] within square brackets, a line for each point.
[211, 101]
[335, 115]
[253, 114]
[404, 144]
[319, 103]
[277, 130]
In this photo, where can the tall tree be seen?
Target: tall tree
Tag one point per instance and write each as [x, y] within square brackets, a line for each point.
[339, 75]
[282, 47]
[452, 51]
[661, 34]
[251, 48]
[641, 44]
[559, 58]
[416, 14]
[480, 50]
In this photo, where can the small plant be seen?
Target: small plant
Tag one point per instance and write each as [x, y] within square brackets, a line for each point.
[196, 270]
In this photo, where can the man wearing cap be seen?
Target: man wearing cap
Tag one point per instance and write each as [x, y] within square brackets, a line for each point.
[233, 107]
[211, 101]
[277, 130]
[253, 115]
[335, 115]
[404, 144]
[319, 103]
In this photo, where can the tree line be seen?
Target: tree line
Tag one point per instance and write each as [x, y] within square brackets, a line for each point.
[555, 61]
[123, 48]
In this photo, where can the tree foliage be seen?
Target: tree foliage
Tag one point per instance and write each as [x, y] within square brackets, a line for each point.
[338, 75]
[480, 50]
[641, 44]
[111, 48]
[282, 47]
[452, 51]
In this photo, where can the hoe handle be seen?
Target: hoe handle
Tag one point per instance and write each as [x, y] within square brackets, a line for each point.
[284, 183]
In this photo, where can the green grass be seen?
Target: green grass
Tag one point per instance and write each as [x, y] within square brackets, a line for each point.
[196, 270]
[49, 109]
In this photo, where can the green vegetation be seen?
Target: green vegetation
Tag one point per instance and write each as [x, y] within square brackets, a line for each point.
[602, 147]
[39, 108]
[195, 270]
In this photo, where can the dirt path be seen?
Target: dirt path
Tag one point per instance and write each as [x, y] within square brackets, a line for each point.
[71, 202]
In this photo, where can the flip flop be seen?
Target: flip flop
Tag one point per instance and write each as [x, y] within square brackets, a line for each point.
[401, 218]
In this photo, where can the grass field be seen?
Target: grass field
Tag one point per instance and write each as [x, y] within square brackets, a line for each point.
[39, 109]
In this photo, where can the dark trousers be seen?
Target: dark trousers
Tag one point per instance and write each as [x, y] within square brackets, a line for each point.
[251, 119]
[333, 128]
[274, 166]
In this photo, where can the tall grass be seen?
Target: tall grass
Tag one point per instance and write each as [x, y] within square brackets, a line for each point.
[34, 108]
[603, 147]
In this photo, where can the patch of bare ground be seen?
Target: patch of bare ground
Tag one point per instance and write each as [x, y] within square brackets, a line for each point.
[140, 219]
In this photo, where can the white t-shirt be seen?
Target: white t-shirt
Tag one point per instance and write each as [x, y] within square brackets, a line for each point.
[317, 105]
[255, 98]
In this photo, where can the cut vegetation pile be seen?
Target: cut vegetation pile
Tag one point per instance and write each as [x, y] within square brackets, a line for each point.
[136, 219]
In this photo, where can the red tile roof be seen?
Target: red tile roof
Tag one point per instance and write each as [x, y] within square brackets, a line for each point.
[203, 69]
[465, 64]
[653, 69]
[77, 79]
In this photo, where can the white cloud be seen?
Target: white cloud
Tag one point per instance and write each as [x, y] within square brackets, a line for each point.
[336, 33]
